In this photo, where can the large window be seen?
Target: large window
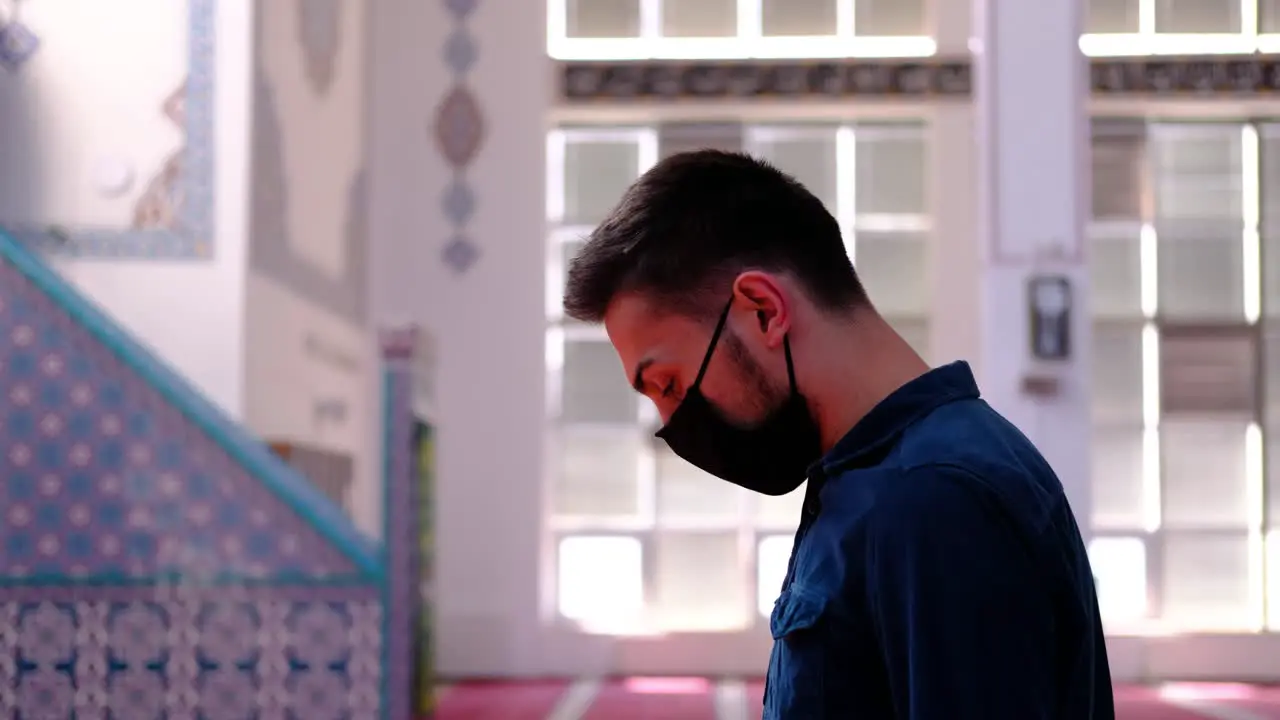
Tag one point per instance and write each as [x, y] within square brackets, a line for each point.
[1185, 349]
[1185, 27]
[688, 29]
[645, 542]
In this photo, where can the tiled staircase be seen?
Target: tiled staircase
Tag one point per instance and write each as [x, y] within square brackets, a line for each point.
[156, 560]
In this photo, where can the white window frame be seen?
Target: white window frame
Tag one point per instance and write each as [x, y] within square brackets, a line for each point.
[749, 42]
[1149, 42]
[1153, 530]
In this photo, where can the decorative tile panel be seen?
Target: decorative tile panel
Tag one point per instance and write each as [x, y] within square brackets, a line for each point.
[148, 652]
[107, 476]
[176, 221]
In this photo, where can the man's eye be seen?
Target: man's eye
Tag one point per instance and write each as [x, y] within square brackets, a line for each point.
[669, 391]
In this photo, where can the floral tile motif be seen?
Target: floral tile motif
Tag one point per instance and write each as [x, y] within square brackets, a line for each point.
[214, 654]
[104, 477]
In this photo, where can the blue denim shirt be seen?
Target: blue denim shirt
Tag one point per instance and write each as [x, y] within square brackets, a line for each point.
[937, 574]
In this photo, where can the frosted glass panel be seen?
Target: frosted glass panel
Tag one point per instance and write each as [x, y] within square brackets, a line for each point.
[699, 582]
[601, 580]
[780, 512]
[1271, 273]
[1120, 573]
[596, 472]
[603, 18]
[891, 167]
[593, 385]
[1271, 419]
[1118, 165]
[700, 18]
[1112, 16]
[1201, 275]
[1118, 480]
[1206, 581]
[1116, 268]
[1197, 172]
[1117, 373]
[799, 17]
[686, 494]
[596, 174]
[809, 156]
[890, 17]
[1198, 16]
[1204, 477]
[772, 557]
[1273, 580]
[1269, 22]
[893, 268]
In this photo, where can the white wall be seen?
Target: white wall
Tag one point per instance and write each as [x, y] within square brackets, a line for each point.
[487, 325]
[310, 371]
[94, 93]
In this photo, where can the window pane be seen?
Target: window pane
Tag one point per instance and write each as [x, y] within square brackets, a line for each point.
[1112, 16]
[1115, 264]
[893, 268]
[1118, 486]
[699, 582]
[915, 331]
[780, 512]
[1206, 581]
[891, 170]
[1271, 420]
[601, 580]
[596, 173]
[1119, 177]
[1198, 173]
[807, 154]
[1209, 372]
[1117, 373]
[700, 18]
[1203, 464]
[1271, 270]
[772, 557]
[1198, 16]
[1201, 276]
[603, 18]
[1269, 22]
[676, 138]
[1269, 168]
[799, 17]
[686, 494]
[597, 472]
[1120, 573]
[594, 388]
[890, 17]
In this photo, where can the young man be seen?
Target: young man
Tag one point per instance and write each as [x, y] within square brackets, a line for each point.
[938, 573]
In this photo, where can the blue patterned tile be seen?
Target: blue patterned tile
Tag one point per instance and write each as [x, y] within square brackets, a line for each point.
[460, 51]
[459, 202]
[461, 254]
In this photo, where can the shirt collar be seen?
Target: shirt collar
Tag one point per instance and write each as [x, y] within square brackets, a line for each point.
[896, 413]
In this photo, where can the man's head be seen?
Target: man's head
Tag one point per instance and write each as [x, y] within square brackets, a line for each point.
[700, 235]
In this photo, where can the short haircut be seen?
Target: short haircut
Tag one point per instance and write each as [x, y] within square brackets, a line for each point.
[692, 223]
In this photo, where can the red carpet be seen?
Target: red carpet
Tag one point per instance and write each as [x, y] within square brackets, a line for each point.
[500, 701]
[695, 699]
[654, 699]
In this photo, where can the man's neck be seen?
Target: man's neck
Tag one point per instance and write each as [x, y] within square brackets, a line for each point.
[863, 363]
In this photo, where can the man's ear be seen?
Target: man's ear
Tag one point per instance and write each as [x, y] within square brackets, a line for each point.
[763, 294]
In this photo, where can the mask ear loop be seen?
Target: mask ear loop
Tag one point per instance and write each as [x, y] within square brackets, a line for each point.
[711, 346]
[791, 370]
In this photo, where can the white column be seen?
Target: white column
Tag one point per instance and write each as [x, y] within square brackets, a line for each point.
[486, 320]
[1032, 140]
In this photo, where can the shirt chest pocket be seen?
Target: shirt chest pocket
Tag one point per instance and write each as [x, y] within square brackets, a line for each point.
[798, 665]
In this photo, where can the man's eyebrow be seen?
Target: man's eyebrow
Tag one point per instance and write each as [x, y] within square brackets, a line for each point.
[637, 380]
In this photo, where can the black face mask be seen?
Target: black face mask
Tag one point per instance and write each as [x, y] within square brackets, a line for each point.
[771, 458]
